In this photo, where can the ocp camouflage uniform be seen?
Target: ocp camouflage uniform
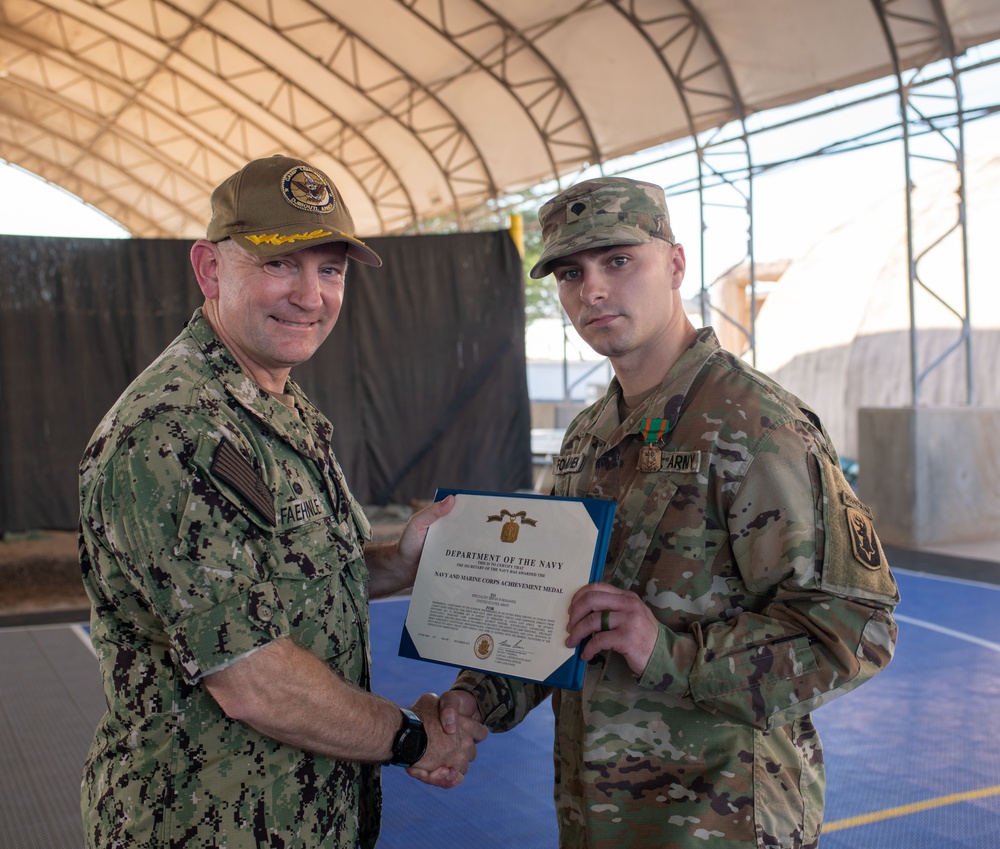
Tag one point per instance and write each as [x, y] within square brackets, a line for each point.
[773, 597]
[213, 522]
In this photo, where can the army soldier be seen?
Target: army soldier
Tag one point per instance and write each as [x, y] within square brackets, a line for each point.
[744, 584]
[230, 568]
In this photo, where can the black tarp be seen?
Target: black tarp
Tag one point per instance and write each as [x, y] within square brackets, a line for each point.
[424, 375]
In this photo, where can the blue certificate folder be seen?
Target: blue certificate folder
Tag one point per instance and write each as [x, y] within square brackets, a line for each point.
[494, 513]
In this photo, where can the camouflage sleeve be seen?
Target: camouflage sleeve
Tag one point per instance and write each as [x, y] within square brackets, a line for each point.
[806, 548]
[190, 557]
[503, 702]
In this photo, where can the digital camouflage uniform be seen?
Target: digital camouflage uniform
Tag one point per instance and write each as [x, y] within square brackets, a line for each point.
[214, 521]
[773, 597]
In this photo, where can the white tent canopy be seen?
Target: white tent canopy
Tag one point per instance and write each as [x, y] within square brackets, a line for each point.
[416, 108]
[855, 277]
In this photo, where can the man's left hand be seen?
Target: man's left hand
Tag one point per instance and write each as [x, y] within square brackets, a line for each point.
[613, 619]
[411, 541]
[392, 566]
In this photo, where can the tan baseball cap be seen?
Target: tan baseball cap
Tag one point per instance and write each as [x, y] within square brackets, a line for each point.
[601, 213]
[277, 205]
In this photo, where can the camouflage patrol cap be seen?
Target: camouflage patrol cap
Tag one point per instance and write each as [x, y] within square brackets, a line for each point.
[601, 213]
[277, 205]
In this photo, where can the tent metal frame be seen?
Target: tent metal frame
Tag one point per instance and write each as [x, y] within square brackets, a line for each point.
[931, 128]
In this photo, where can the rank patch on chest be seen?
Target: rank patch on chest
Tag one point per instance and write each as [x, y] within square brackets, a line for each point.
[567, 464]
[680, 461]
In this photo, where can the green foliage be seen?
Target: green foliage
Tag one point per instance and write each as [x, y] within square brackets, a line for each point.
[541, 297]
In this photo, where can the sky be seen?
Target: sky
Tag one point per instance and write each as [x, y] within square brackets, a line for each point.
[794, 205]
[43, 209]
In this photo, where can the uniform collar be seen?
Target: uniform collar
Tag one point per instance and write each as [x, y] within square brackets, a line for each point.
[667, 402]
[299, 432]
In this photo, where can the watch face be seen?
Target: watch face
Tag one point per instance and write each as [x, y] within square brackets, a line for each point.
[412, 745]
[411, 741]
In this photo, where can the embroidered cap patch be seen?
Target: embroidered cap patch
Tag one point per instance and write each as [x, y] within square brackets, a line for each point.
[308, 190]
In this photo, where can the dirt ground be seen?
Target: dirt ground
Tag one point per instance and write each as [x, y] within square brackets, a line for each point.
[40, 570]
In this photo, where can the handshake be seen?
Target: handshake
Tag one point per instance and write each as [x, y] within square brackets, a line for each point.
[608, 618]
[454, 726]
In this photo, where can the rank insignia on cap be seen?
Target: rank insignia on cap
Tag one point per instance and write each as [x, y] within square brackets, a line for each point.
[308, 190]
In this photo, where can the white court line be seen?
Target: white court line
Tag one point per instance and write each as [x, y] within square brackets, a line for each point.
[930, 626]
[934, 576]
[958, 635]
[83, 632]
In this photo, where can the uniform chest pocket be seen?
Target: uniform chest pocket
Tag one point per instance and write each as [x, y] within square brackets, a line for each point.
[227, 513]
[638, 526]
[320, 527]
[320, 546]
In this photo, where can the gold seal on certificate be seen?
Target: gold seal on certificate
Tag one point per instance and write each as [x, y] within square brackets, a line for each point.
[495, 580]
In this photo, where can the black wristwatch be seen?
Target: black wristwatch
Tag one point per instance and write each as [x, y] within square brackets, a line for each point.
[411, 740]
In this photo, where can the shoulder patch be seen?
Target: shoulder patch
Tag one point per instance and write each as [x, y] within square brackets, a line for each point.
[232, 467]
[567, 464]
[854, 563]
[867, 551]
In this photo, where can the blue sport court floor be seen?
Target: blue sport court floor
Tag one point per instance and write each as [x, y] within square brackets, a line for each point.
[913, 758]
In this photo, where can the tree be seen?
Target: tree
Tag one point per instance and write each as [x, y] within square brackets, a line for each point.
[541, 297]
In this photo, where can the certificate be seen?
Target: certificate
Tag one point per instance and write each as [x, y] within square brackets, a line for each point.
[495, 580]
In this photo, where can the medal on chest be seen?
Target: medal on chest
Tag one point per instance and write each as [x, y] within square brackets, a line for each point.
[650, 454]
[650, 458]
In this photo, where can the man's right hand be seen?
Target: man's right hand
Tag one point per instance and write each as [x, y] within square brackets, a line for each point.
[453, 729]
